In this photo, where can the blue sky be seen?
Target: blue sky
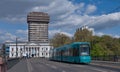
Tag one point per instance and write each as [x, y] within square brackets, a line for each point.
[103, 16]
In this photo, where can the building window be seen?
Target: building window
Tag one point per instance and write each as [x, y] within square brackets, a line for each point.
[38, 49]
[42, 54]
[20, 49]
[38, 54]
[35, 48]
[12, 49]
[26, 49]
[46, 53]
[29, 49]
[46, 48]
[16, 54]
[16, 49]
[12, 54]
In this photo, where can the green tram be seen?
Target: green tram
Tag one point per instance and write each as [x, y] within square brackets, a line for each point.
[77, 52]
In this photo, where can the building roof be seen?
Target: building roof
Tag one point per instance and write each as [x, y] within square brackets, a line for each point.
[27, 43]
[37, 17]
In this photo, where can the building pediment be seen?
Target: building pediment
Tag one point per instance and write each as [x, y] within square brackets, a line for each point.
[33, 44]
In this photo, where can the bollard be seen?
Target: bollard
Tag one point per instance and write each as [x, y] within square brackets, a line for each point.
[2, 65]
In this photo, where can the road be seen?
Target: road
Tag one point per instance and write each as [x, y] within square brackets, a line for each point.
[44, 65]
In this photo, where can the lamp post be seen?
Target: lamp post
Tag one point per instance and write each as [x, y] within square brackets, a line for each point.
[16, 47]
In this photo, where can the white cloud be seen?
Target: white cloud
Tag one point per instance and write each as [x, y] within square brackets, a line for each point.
[68, 34]
[116, 36]
[106, 21]
[64, 18]
[53, 32]
[25, 32]
[22, 35]
[15, 19]
[90, 9]
[63, 15]
[57, 9]
[56, 6]
[9, 37]
[101, 34]
[5, 37]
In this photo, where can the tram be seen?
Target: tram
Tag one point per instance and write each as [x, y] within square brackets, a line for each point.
[77, 52]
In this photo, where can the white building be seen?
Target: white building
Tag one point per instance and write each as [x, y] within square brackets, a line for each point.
[29, 49]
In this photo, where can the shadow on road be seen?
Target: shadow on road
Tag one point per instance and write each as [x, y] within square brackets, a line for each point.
[70, 62]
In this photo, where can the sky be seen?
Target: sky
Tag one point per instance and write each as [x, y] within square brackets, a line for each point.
[103, 16]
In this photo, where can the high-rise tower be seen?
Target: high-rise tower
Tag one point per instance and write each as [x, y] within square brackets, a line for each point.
[37, 26]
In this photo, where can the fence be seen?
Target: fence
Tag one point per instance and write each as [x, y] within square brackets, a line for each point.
[11, 62]
[115, 58]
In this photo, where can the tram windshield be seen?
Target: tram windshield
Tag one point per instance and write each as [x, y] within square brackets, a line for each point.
[84, 49]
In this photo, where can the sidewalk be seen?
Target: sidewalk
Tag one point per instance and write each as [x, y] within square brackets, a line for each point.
[19, 67]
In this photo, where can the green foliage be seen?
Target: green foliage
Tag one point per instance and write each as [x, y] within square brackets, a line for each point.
[100, 49]
[60, 39]
[83, 35]
[105, 45]
[97, 50]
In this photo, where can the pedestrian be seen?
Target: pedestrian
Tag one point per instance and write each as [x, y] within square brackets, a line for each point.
[32, 55]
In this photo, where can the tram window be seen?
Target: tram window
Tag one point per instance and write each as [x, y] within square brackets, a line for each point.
[70, 52]
[75, 52]
[63, 53]
[84, 49]
[66, 53]
[59, 53]
[56, 53]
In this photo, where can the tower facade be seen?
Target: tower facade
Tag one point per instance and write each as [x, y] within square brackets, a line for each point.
[37, 27]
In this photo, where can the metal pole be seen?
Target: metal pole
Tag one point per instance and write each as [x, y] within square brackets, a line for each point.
[16, 47]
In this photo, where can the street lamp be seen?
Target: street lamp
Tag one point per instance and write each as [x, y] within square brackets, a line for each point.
[17, 47]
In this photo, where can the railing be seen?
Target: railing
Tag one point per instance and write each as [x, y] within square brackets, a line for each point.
[115, 58]
[11, 62]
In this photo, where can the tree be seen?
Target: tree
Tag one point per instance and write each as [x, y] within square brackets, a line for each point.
[100, 49]
[109, 45]
[60, 39]
[83, 35]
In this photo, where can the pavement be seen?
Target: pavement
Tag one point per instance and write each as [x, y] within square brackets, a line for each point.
[19, 67]
[44, 65]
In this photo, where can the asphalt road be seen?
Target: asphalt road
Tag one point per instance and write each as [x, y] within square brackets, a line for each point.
[44, 65]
